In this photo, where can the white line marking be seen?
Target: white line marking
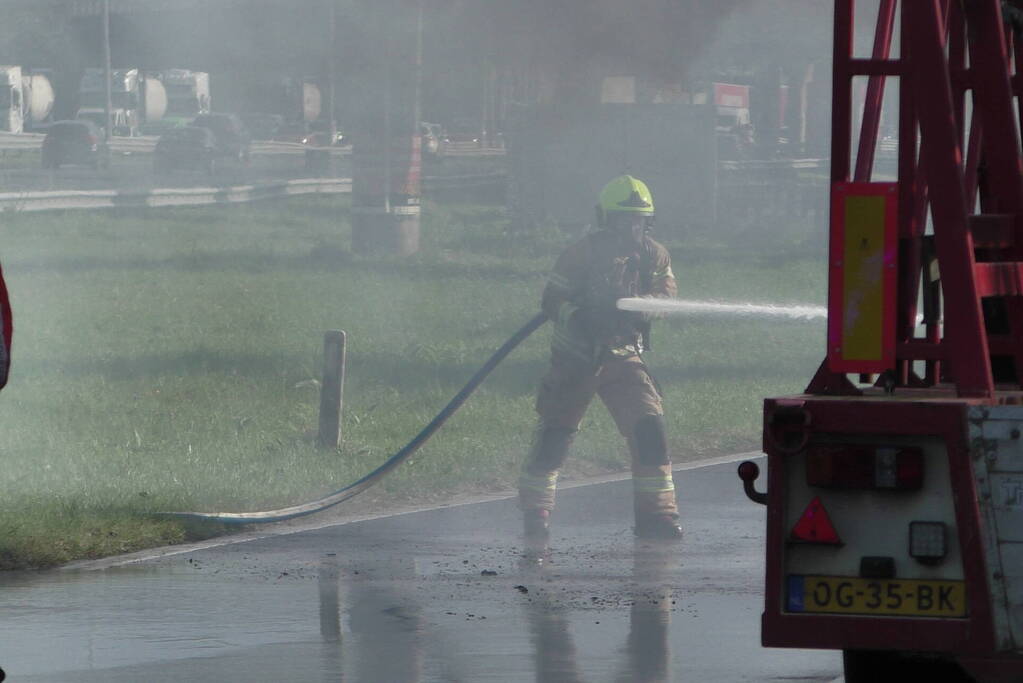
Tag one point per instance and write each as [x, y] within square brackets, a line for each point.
[160, 553]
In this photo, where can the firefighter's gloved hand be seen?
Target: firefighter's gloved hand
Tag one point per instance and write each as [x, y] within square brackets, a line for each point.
[635, 318]
[577, 320]
[597, 322]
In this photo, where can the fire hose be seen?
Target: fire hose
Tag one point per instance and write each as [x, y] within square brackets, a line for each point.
[391, 463]
[654, 306]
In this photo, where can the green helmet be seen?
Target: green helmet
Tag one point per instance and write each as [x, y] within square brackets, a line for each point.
[625, 194]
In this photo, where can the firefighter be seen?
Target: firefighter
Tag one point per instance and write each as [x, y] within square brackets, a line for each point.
[597, 350]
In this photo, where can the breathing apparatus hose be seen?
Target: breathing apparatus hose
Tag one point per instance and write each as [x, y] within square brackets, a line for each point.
[391, 463]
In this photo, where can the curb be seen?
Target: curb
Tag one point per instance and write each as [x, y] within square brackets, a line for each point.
[143, 556]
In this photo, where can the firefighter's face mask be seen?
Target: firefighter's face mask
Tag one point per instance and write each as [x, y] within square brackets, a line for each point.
[631, 226]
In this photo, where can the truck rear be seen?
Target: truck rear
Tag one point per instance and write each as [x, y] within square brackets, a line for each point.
[895, 482]
[895, 532]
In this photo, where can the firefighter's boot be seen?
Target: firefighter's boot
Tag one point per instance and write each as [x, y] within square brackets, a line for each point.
[539, 482]
[653, 485]
[658, 527]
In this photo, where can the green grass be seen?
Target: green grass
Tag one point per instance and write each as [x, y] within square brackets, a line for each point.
[167, 360]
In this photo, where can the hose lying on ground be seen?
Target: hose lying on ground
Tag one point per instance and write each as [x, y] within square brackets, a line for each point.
[379, 473]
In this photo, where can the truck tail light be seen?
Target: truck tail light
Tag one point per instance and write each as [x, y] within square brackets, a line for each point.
[928, 542]
[857, 466]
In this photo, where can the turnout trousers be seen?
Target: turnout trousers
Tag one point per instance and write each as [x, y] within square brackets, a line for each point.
[627, 389]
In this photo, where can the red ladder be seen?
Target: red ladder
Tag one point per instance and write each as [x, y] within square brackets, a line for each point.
[975, 259]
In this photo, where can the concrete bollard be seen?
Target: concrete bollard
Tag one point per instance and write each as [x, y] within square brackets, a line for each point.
[332, 389]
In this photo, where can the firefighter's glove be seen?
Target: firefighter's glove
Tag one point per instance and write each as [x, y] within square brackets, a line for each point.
[599, 321]
[635, 318]
[604, 307]
[587, 321]
[573, 319]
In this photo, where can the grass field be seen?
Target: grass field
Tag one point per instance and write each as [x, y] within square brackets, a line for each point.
[168, 360]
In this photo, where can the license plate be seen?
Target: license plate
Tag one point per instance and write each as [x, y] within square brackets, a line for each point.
[895, 597]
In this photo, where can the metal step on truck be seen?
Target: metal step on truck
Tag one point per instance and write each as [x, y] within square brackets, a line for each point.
[895, 482]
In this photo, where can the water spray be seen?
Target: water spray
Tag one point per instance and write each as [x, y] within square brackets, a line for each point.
[687, 307]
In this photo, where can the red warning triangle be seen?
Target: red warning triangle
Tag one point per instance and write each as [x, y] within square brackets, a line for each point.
[815, 525]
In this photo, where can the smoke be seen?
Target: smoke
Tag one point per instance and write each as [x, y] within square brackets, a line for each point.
[538, 51]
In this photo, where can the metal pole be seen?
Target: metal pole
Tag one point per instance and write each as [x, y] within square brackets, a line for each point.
[331, 65]
[332, 389]
[418, 103]
[387, 114]
[483, 108]
[106, 67]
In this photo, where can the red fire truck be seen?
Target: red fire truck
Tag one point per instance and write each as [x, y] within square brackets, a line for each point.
[895, 482]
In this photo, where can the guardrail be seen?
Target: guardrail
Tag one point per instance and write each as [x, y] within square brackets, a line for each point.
[470, 149]
[198, 196]
[145, 144]
[772, 164]
[463, 182]
[186, 196]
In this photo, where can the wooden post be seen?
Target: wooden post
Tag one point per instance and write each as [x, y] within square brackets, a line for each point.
[332, 389]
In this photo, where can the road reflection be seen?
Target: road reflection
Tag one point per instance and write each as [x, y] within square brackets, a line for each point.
[647, 653]
[554, 652]
[375, 630]
[386, 625]
[327, 582]
[648, 648]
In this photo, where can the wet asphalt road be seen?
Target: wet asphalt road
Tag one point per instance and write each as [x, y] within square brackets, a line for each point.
[440, 595]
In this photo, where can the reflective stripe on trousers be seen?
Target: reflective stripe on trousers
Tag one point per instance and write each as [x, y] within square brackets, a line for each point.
[536, 492]
[653, 491]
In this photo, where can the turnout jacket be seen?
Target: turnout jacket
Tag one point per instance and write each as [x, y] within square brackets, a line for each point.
[588, 277]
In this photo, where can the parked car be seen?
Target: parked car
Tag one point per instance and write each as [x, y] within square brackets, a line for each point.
[74, 142]
[262, 126]
[319, 131]
[293, 132]
[232, 137]
[189, 147]
[465, 130]
[97, 117]
[433, 139]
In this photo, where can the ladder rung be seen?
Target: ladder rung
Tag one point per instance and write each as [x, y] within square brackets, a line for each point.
[993, 230]
[999, 278]
[875, 67]
[919, 349]
[1002, 345]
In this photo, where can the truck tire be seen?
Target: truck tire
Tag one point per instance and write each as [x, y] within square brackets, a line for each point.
[870, 666]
